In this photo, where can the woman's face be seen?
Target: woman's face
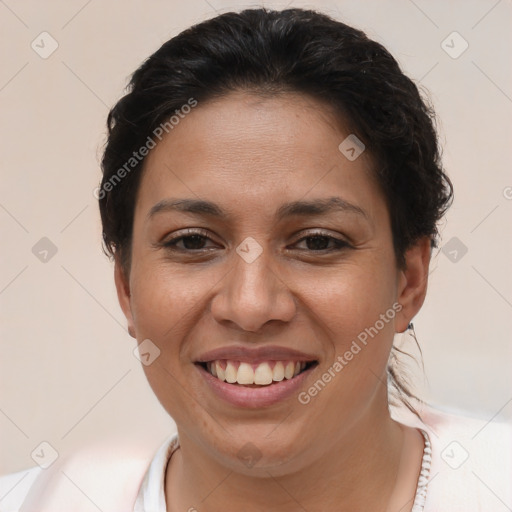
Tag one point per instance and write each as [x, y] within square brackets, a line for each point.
[249, 286]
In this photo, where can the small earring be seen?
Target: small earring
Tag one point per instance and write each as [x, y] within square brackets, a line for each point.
[410, 327]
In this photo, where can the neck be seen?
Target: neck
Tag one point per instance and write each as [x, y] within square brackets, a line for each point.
[357, 473]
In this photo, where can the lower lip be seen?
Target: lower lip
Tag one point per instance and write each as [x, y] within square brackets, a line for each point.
[255, 398]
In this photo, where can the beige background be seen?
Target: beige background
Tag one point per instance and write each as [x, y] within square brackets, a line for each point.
[67, 371]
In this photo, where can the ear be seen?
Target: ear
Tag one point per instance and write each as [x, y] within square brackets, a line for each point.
[123, 294]
[412, 282]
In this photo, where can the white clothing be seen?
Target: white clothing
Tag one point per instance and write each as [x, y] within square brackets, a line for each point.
[471, 471]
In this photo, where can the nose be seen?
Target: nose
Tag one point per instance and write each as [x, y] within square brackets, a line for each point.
[252, 295]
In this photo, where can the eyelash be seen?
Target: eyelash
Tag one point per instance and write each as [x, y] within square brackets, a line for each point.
[172, 244]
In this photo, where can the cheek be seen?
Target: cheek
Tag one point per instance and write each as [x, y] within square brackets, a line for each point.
[352, 297]
[163, 302]
[166, 307]
[355, 308]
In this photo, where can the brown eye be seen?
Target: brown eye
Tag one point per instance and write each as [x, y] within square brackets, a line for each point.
[190, 242]
[323, 242]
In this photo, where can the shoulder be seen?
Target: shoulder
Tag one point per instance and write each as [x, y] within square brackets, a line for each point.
[471, 467]
[103, 476]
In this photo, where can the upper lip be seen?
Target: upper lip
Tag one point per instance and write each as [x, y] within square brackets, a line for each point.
[254, 355]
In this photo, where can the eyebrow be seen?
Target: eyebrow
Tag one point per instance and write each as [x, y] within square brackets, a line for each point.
[295, 208]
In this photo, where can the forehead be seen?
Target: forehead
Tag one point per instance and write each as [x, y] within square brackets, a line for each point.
[259, 149]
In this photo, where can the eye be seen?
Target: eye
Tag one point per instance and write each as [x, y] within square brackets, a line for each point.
[193, 240]
[318, 242]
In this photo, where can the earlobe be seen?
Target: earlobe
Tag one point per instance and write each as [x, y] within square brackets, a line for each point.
[413, 280]
[124, 295]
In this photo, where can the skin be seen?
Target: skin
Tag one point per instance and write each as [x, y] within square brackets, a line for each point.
[250, 154]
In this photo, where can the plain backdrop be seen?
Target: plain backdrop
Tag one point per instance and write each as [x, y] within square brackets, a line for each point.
[67, 370]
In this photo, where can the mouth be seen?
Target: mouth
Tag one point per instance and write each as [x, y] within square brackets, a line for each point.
[255, 375]
[255, 385]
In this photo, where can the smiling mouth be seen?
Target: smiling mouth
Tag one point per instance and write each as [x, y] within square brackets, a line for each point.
[255, 375]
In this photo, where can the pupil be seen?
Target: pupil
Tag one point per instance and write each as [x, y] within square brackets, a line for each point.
[193, 242]
[317, 243]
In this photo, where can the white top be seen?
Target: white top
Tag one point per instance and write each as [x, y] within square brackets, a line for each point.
[151, 496]
[470, 471]
[463, 469]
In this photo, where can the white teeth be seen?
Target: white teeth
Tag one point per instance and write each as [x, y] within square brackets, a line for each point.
[245, 374]
[263, 374]
[231, 372]
[289, 369]
[278, 374]
[221, 374]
